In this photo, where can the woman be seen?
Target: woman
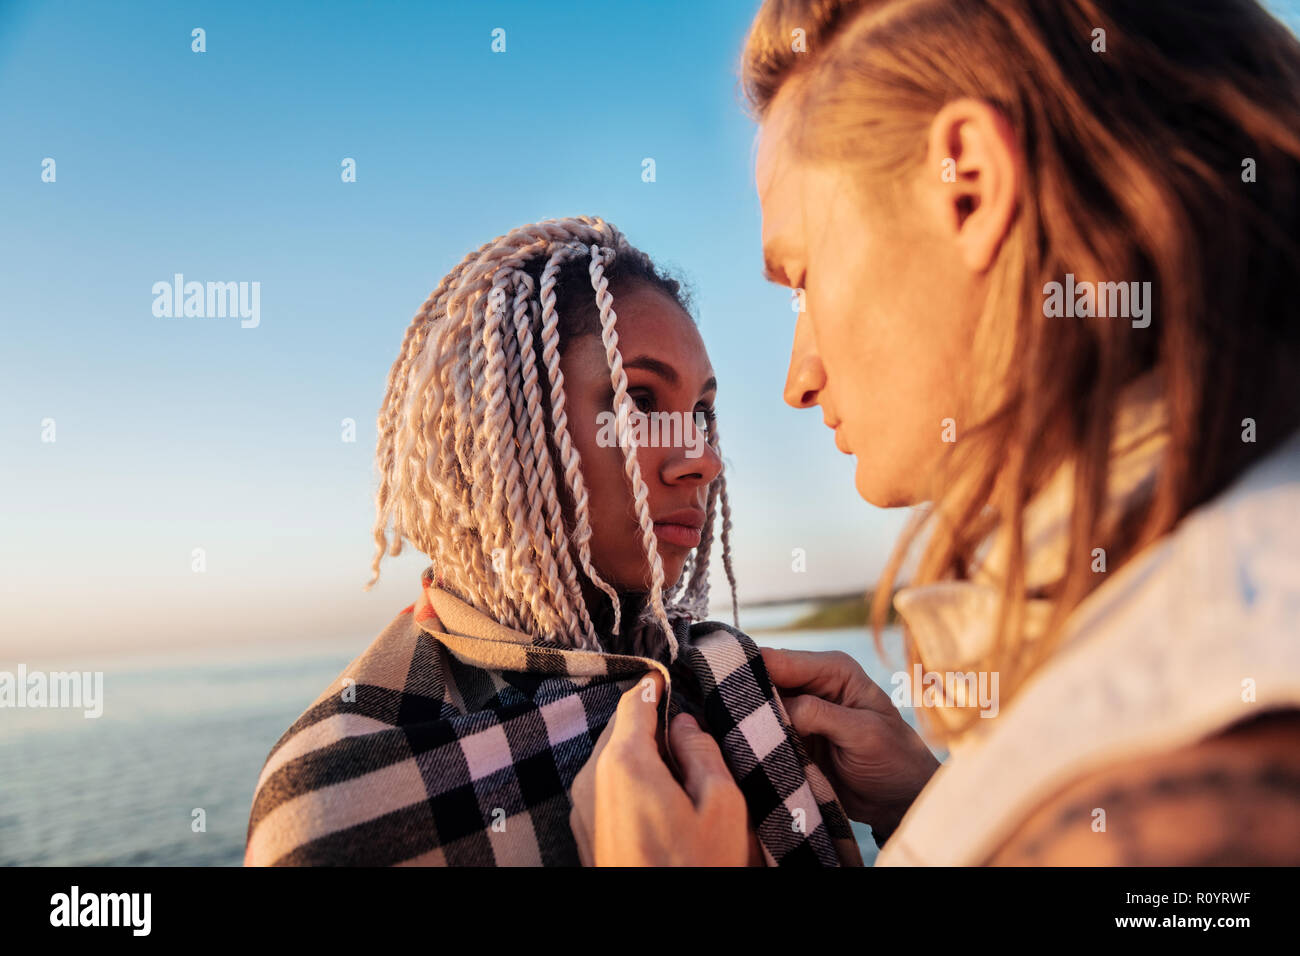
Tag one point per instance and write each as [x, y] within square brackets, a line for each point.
[558, 462]
[1111, 483]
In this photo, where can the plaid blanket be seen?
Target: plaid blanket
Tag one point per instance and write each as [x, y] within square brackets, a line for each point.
[453, 740]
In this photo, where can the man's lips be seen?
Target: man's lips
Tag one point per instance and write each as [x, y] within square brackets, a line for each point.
[834, 426]
[681, 528]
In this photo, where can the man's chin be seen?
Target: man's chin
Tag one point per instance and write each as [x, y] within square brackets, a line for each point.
[881, 490]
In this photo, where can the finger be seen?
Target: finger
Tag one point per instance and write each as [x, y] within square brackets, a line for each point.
[637, 718]
[581, 836]
[703, 768]
[582, 796]
[833, 675]
[814, 716]
[601, 742]
[816, 672]
[582, 793]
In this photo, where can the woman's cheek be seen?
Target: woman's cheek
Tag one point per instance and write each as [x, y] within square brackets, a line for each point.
[648, 459]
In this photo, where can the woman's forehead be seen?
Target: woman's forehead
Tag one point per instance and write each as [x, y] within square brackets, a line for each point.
[649, 323]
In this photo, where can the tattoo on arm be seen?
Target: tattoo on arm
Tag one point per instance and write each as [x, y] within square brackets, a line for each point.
[1216, 813]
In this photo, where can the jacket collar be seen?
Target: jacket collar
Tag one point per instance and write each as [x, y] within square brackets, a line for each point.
[952, 622]
[438, 610]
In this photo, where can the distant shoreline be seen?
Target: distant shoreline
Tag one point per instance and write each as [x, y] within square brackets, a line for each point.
[805, 599]
[852, 609]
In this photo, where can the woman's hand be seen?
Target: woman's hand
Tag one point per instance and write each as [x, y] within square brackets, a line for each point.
[874, 760]
[629, 810]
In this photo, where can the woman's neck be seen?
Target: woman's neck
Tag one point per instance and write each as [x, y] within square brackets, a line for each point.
[601, 610]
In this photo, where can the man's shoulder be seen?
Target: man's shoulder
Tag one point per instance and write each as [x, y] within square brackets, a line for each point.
[1229, 567]
[1243, 544]
[1231, 798]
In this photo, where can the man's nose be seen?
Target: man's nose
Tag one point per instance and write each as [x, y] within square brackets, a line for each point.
[806, 376]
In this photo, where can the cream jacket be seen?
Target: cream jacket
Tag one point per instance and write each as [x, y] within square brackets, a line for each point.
[1197, 632]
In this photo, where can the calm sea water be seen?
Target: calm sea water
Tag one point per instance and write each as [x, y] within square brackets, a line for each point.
[191, 732]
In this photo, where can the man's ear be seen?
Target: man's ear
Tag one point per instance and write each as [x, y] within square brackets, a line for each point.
[972, 175]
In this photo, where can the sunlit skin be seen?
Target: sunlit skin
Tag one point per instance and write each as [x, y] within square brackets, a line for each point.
[892, 303]
[892, 289]
[668, 370]
[893, 292]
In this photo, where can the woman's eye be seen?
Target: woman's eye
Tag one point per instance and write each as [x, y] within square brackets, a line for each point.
[644, 401]
[705, 418]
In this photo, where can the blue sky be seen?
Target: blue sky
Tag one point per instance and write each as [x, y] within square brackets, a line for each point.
[175, 434]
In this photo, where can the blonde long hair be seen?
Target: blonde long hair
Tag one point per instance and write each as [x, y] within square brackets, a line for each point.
[1136, 164]
[476, 464]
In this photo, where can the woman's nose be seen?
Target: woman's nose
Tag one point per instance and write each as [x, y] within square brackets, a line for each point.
[806, 376]
[695, 461]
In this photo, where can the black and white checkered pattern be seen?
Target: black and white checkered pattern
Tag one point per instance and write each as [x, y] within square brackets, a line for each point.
[797, 816]
[441, 748]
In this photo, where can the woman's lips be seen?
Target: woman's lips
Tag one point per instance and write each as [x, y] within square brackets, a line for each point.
[840, 444]
[683, 536]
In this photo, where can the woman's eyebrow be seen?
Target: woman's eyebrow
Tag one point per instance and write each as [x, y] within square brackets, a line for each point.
[662, 369]
[666, 371]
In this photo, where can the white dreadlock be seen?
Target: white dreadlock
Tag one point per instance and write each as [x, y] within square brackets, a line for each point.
[465, 447]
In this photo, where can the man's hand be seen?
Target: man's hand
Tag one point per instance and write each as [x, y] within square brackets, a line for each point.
[628, 810]
[874, 760]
